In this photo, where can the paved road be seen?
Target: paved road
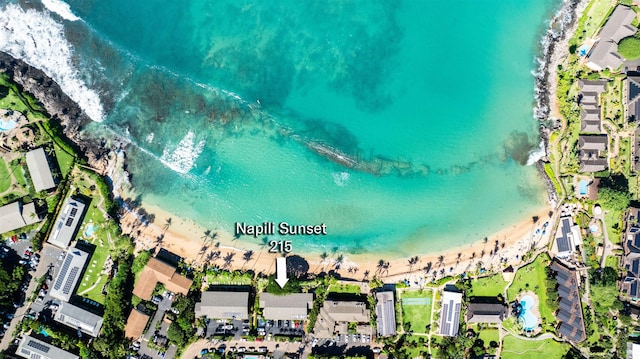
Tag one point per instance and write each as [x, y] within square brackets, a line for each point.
[277, 348]
[607, 246]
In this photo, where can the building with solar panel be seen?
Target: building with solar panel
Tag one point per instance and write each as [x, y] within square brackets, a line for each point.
[67, 224]
[32, 348]
[569, 312]
[568, 237]
[69, 275]
[77, 318]
[385, 314]
[630, 286]
[450, 313]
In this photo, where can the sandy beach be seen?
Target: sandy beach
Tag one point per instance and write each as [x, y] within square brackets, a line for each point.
[187, 239]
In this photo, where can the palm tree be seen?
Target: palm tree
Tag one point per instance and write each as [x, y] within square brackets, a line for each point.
[247, 256]
[366, 275]
[167, 224]
[380, 266]
[440, 260]
[206, 235]
[412, 262]
[323, 260]
[386, 267]
[339, 261]
[427, 268]
[228, 259]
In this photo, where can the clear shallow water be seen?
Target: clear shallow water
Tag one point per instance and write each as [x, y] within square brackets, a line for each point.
[230, 107]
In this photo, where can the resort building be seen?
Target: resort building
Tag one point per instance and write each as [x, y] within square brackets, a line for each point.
[67, 224]
[294, 306]
[568, 237]
[633, 350]
[78, 318]
[630, 285]
[590, 120]
[487, 312]
[156, 272]
[632, 98]
[39, 170]
[17, 215]
[450, 313]
[385, 314]
[32, 348]
[136, 323]
[605, 53]
[569, 314]
[69, 274]
[592, 153]
[336, 315]
[223, 305]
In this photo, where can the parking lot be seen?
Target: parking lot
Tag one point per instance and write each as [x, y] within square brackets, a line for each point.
[280, 327]
[158, 337]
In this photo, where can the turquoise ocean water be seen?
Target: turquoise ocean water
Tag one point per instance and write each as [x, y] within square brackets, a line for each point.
[244, 111]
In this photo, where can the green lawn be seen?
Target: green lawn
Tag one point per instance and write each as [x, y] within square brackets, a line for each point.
[523, 349]
[344, 288]
[596, 15]
[5, 176]
[65, 160]
[487, 336]
[611, 261]
[226, 278]
[488, 286]
[18, 173]
[419, 315]
[613, 218]
[603, 297]
[533, 277]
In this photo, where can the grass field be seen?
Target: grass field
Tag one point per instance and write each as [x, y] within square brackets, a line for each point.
[488, 286]
[226, 278]
[65, 160]
[533, 277]
[18, 174]
[5, 176]
[487, 336]
[419, 315]
[596, 15]
[524, 349]
[344, 288]
[613, 217]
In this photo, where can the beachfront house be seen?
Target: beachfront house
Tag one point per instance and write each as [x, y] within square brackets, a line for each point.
[450, 313]
[605, 53]
[294, 306]
[590, 90]
[342, 317]
[567, 239]
[69, 274]
[156, 272]
[385, 314]
[16, 215]
[223, 305]
[39, 170]
[67, 223]
[33, 348]
[569, 313]
[630, 285]
[592, 153]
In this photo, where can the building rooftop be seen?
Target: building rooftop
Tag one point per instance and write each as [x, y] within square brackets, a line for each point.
[136, 323]
[39, 170]
[487, 312]
[78, 318]
[32, 348]
[592, 153]
[223, 305]
[67, 223]
[605, 53]
[294, 306]
[335, 316]
[632, 98]
[570, 309]
[450, 313]
[156, 272]
[17, 215]
[385, 313]
[69, 274]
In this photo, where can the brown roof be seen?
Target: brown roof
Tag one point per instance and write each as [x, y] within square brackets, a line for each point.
[135, 324]
[156, 271]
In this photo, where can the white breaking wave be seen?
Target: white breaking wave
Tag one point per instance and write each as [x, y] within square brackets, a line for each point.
[184, 156]
[536, 154]
[61, 8]
[150, 137]
[37, 39]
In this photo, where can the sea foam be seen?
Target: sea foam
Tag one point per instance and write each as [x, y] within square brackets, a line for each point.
[182, 158]
[38, 40]
[61, 8]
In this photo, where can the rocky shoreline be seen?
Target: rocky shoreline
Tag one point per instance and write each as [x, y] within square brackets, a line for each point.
[100, 154]
[554, 49]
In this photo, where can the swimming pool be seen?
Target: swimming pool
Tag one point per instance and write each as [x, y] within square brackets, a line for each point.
[7, 125]
[89, 230]
[530, 321]
[583, 187]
